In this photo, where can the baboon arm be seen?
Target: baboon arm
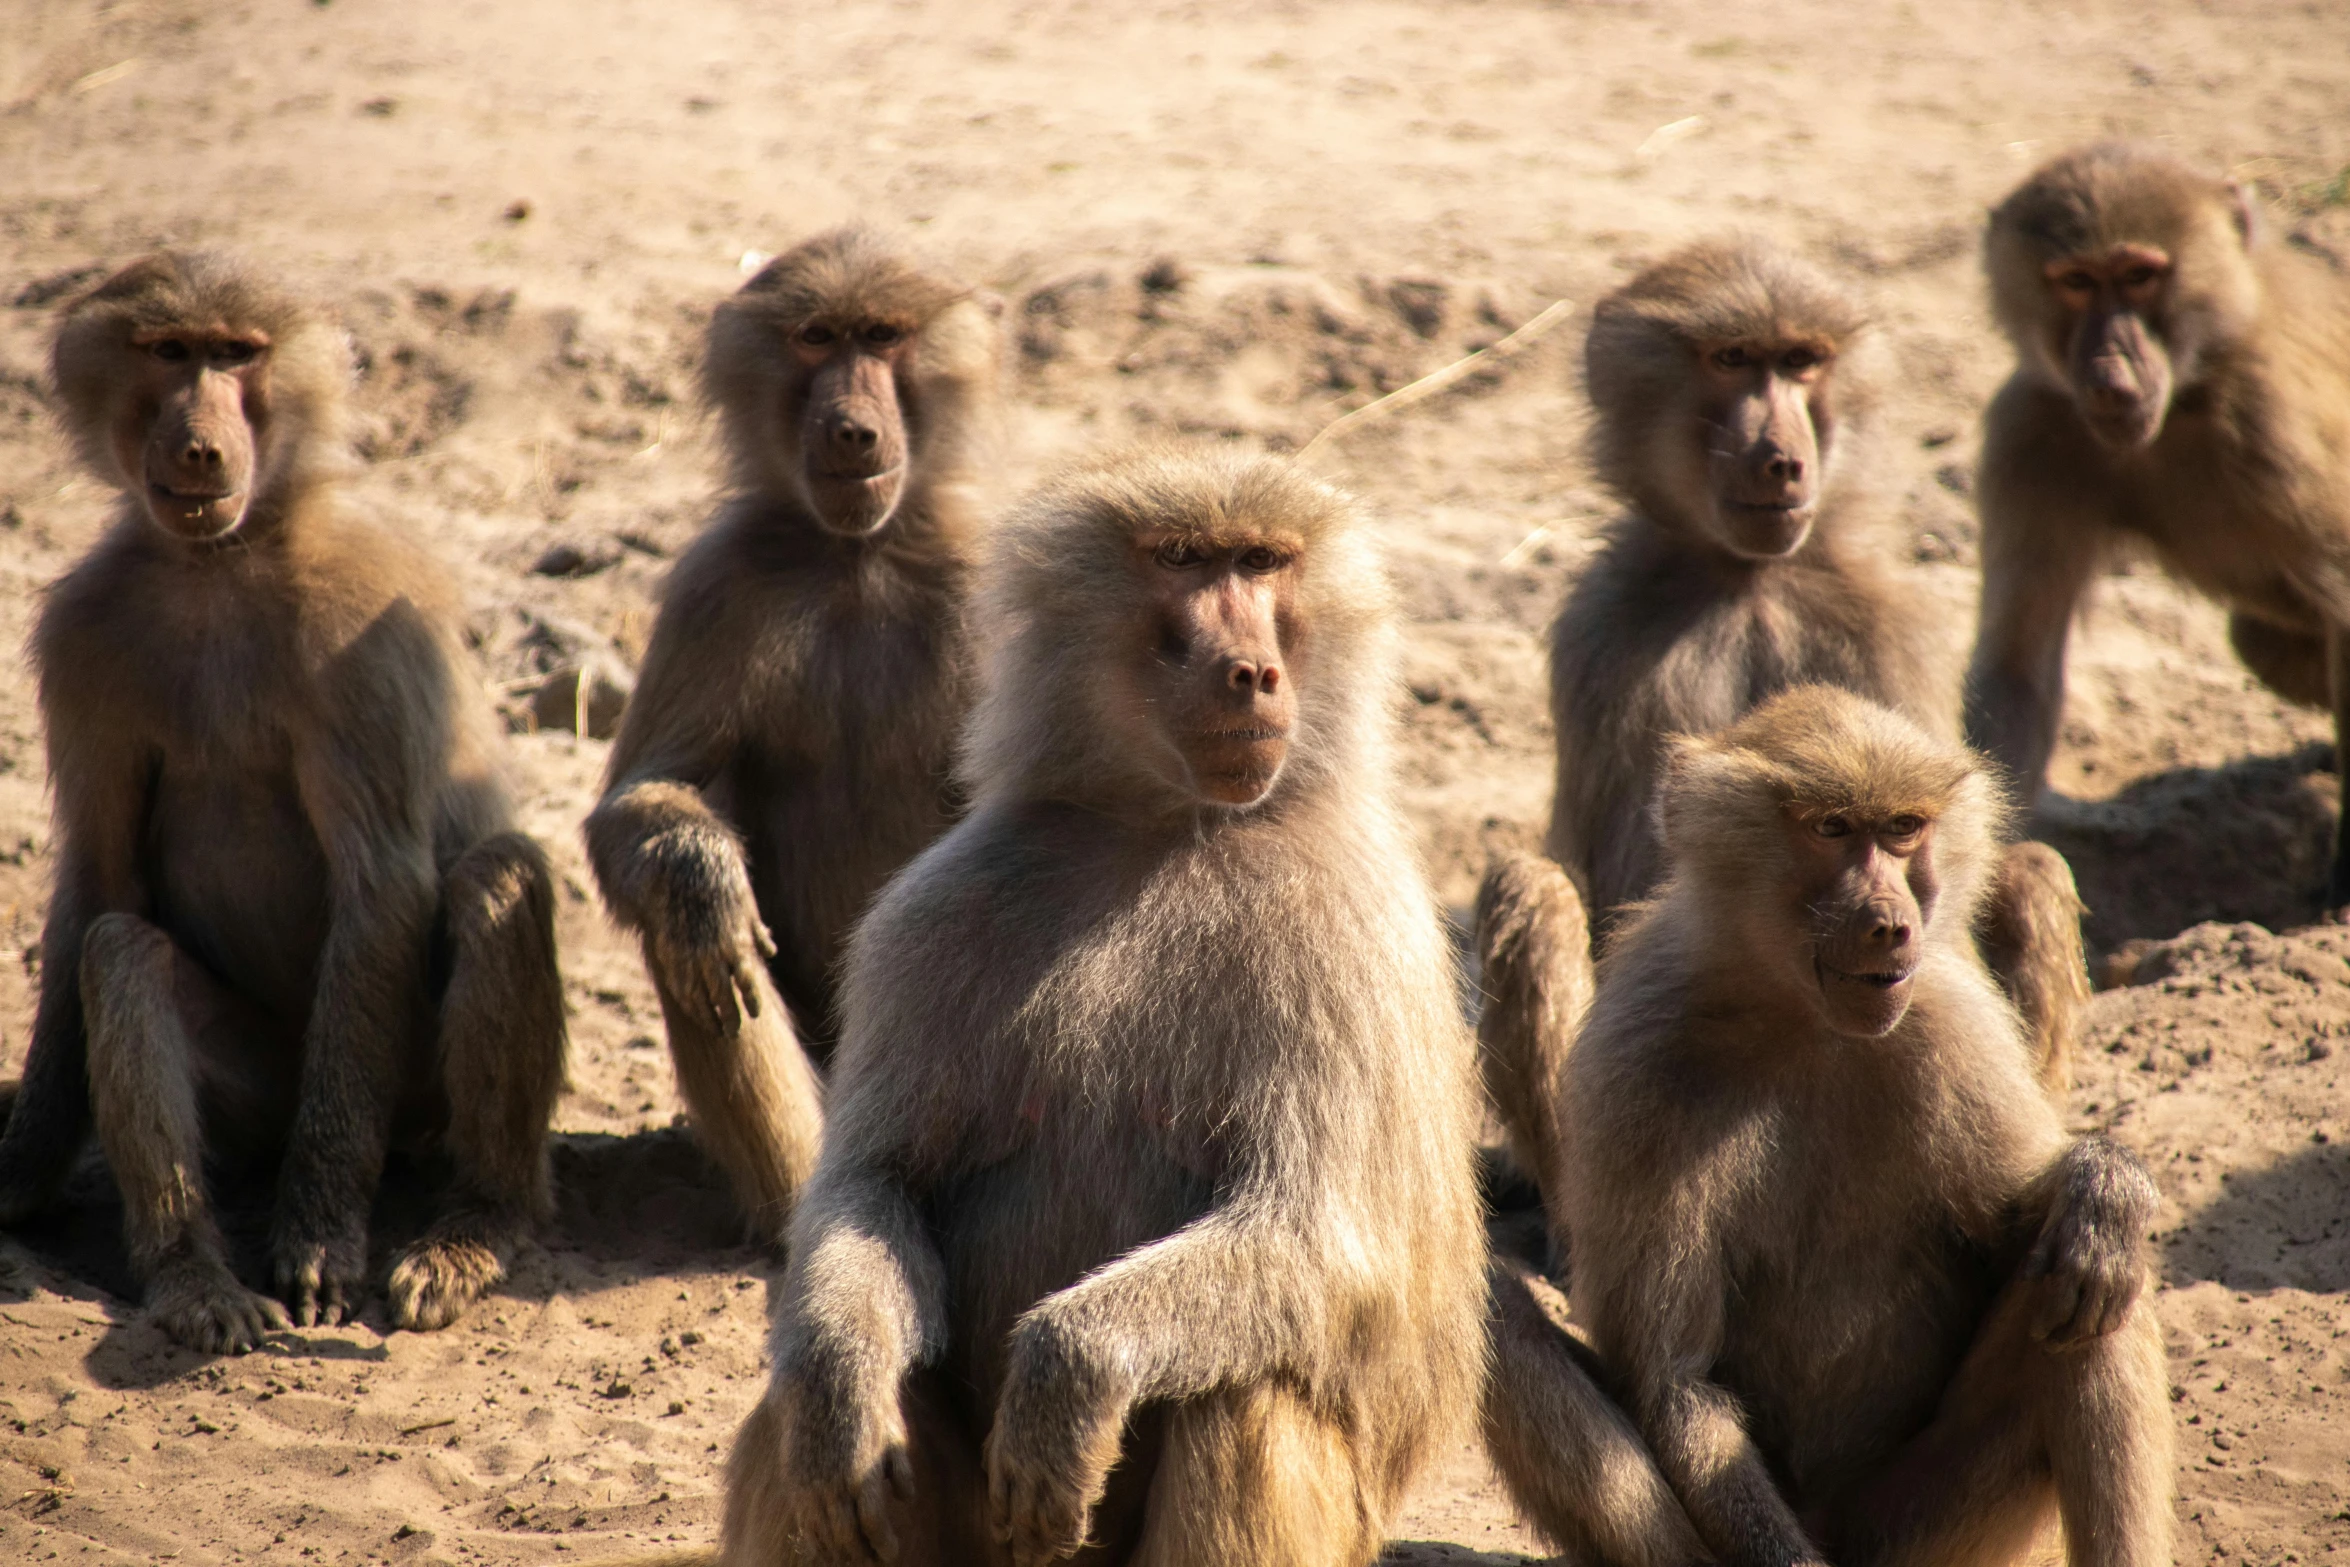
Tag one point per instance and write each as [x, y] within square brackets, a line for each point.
[2042, 542]
[1662, 1326]
[101, 809]
[653, 815]
[1235, 1297]
[866, 1299]
[369, 801]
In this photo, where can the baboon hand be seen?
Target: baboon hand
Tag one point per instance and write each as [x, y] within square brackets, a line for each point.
[848, 1501]
[321, 1279]
[2089, 1258]
[204, 1307]
[1049, 1456]
[712, 974]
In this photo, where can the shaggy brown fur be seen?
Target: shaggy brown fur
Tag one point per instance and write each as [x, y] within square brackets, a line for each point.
[289, 903]
[2180, 378]
[788, 747]
[1146, 1213]
[1734, 391]
[1849, 1291]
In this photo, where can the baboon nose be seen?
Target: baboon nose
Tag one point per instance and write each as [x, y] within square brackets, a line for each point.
[1887, 929]
[1784, 469]
[1255, 677]
[854, 436]
[200, 455]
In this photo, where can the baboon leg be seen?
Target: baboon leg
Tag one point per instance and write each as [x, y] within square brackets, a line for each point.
[2288, 661]
[2032, 940]
[1572, 1459]
[502, 1042]
[2025, 1431]
[755, 1102]
[1534, 955]
[942, 1523]
[1253, 1474]
[145, 1006]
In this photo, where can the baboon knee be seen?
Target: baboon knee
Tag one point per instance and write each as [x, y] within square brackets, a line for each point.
[1534, 954]
[500, 886]
[2032, 941]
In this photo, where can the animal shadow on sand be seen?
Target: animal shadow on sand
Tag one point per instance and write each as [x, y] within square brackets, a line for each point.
[627, 1208]
[2283, 1227]
[2249, 840]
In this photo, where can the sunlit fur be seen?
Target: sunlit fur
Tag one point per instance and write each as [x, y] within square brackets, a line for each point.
[1142, 1112]
[790, 742]
[1056, 593]
[946, 392]
[1854, 1300]
[290, 906]
[309, 367]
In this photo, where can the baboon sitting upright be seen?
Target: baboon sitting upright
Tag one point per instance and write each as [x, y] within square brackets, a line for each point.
[788, 746]
[1145, 1228]
[1735, 392]
[290, 907]
[1848, 1292]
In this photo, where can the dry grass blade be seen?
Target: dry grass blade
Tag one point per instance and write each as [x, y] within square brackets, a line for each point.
[1437, 380]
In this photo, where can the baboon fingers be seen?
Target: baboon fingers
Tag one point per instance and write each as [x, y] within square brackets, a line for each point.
[746, 985]
[436, 1279]
[217, 1315]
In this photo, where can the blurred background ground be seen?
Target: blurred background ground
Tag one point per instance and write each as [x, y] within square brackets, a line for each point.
[1225, 220]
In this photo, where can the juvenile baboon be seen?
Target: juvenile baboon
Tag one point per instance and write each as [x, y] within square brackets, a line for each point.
[1844, 1288]
[2180, 379]
[789, 743]
[1146, 1215]
[290, 910]
[1734, 391]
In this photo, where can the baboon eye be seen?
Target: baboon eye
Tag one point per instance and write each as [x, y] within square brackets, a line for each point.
[881, 334]
[1732, 358]
[1799, 359]
[816, 336]
[1906, 826]
[1262, 558]
[2139, 277]
[2077, 283]
[1177, 554]
[1832, 826]
[234, 353]
[170, 350]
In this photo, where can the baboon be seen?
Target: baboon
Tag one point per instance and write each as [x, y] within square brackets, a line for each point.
[1735, 392]
[291, 916]
[790, 742]
[1843, 1288]
[2182, 380]
[1146, 1227]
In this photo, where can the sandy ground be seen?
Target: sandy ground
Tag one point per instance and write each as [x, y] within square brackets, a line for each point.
[524, 211]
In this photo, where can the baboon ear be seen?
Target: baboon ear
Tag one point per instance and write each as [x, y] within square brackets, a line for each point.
[2245, 212]
[990, 301]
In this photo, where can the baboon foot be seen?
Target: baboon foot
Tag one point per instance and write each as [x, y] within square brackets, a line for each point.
[440, 1276]
[199, 1303]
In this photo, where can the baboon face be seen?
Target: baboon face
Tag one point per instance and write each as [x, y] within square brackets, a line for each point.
[1761, 422]
[190, 428]
[1868, 885]
[1219, 681]
[845, 420]
[2105, 310]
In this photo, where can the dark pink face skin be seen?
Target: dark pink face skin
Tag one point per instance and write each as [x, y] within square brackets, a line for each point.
[1763, 443]
[2113, 359]
[188, 435]
[1868, 885]
[852, 431]
[1222, 673]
